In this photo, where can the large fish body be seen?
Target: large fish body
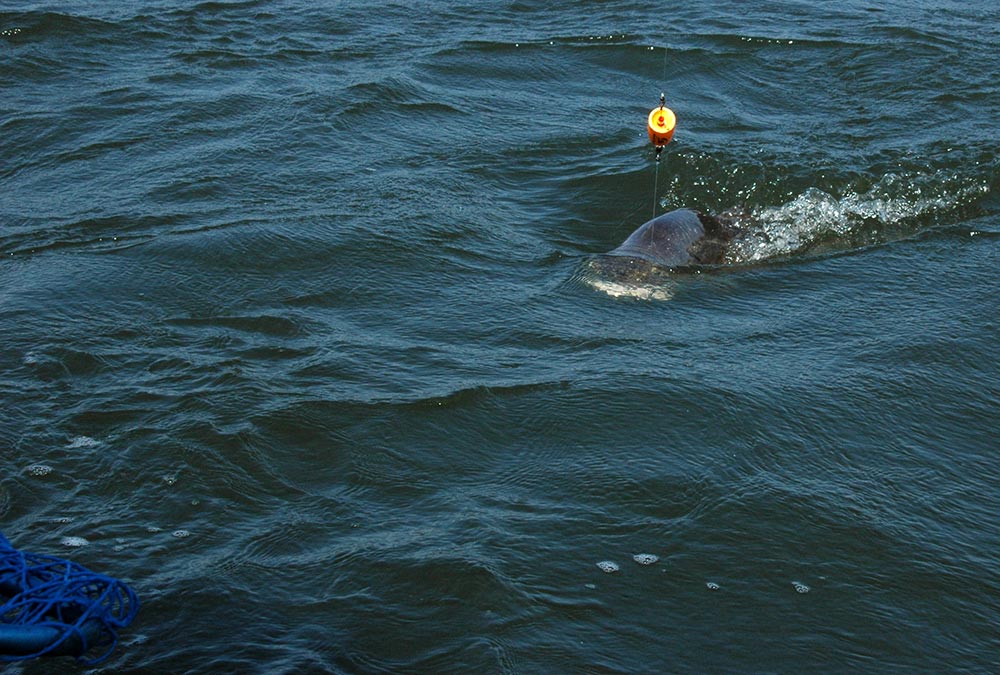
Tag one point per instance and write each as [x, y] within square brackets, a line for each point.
[679, 238]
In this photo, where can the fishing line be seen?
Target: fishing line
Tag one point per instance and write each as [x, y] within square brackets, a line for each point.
[656, 184]
[660, 125]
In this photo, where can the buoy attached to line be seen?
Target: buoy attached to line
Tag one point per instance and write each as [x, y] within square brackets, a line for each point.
[660, 125]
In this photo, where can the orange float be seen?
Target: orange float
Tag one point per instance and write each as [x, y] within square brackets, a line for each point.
[660, 125]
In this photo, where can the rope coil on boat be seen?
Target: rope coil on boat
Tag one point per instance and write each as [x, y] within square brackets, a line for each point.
[55, 607]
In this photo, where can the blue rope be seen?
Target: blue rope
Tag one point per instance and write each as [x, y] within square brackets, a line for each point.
[55, 593]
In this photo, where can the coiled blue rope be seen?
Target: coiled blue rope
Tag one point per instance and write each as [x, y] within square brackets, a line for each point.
[55, 607]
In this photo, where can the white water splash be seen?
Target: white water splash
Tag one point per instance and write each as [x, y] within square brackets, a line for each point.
[857, 217]
[637, 291]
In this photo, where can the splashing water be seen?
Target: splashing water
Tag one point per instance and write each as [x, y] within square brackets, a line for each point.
[867, 213]
[896, 206]
[638, 291]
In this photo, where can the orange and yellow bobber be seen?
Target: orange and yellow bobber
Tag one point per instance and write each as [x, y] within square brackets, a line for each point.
[661, 124]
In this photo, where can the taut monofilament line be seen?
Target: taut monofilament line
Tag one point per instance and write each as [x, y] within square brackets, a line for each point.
[660, 125]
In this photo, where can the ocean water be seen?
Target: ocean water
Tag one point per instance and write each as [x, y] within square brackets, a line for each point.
[299, 338]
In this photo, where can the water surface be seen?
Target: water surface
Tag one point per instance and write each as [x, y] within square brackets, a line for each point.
[297, 338]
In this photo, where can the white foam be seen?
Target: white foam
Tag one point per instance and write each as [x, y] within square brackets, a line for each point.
[893, 200]
[607, 566]
[637, 291]
[800, 587]
[712, 586]
[38, 470]
[73, 542]
[645, 558]
[82, 442]
[181, 534]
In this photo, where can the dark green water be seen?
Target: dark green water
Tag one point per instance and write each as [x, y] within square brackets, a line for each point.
[298, 338]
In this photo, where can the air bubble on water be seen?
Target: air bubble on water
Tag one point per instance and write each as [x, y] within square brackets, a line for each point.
[39, 470]
[180, 534]
[62, 520]
[645, 558]
[73, 542]
[153, 529]
[712, 586]
[800, 587]
[607, 566]
[82, 442]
